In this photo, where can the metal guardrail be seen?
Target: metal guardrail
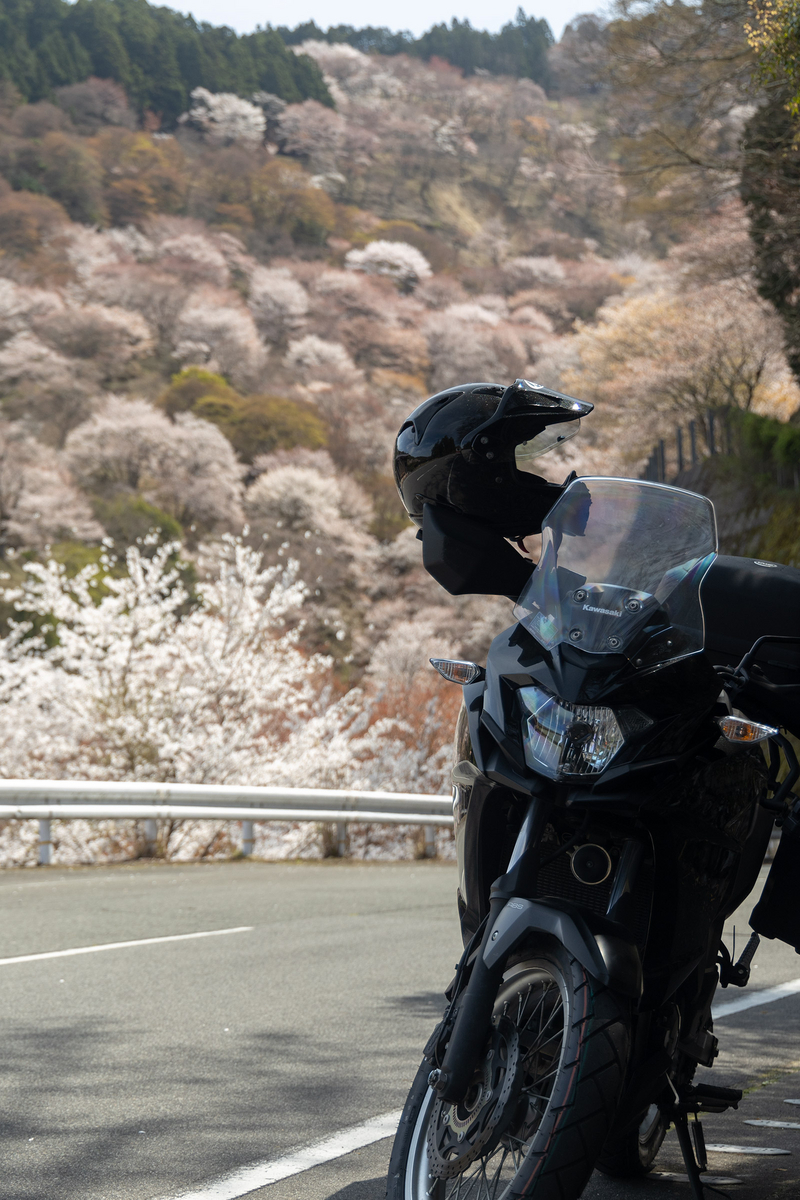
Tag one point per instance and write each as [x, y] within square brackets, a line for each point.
[46, 800]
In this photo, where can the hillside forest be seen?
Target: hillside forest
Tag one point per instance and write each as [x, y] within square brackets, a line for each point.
[219, 301]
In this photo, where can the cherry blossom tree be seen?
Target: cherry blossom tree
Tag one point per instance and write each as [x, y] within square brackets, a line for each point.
[668, 354]
[399, 261]
[460, 351]
[314, 132]
[194, 257]
[136, 687]
[39, 504]
[225, 117]
[157, 296]
[279, 303]
[315, 358]
[187, 468]
[306, 493]
[109, 335]
[526, 272]
[19, 306]
[26, 359]
[300, 507]
[215, 330]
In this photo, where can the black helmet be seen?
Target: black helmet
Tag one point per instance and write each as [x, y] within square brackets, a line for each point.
[469, 449]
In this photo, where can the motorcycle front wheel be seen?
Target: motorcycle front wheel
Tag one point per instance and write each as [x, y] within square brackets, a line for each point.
[541, 1102]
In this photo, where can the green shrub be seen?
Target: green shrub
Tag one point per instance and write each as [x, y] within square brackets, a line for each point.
[764, 438]
[390, 516]
[779, 540]
[189, 386]
[786, 448]
[260, 424]
[128, 518]
[252, 424]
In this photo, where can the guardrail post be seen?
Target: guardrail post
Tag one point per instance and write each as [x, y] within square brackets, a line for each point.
[341, 839]
[150, 834]
[248, 838]
[45, 844]
[430, 841]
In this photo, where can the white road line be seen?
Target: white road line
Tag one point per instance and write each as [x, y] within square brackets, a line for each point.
[755, 999]
[249, 1179]
[718, 1148]
[173, 937]
[677, 1177]
[775, 1124]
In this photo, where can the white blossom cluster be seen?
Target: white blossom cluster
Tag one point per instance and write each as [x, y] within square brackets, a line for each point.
[225, 117]
[120, 681]
[186, 466]
[137, 688]
[401, 262]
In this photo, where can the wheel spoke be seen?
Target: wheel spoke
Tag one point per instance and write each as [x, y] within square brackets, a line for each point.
[497, 1174]
[549, 1075]
[536, 1009]
[554, 1012]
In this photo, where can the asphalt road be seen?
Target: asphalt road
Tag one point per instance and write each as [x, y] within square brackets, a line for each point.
[150, 1071]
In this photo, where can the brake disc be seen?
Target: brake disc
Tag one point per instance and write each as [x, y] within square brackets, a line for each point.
[460, 1133]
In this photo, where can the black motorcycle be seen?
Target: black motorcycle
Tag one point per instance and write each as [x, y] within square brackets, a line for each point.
[620, 765]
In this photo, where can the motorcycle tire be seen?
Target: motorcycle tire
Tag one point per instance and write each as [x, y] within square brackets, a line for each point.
[559, 1107]
[631, 1155]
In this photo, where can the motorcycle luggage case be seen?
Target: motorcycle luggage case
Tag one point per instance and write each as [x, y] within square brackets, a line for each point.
[745, 599]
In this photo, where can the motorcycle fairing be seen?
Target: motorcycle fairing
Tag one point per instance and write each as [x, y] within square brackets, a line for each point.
[674, 700]
[603, 952]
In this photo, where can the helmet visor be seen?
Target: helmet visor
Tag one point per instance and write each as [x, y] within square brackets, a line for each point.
[555, 435]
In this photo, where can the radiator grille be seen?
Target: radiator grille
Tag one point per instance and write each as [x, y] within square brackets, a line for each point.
[556, 879]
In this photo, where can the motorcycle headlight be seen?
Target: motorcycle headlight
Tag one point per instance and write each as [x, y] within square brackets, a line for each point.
[567, 740]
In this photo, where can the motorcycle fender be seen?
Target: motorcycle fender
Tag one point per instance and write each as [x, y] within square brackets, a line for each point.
[610, 959]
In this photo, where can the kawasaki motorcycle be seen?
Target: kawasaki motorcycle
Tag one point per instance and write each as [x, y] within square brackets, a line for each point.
[620, 765]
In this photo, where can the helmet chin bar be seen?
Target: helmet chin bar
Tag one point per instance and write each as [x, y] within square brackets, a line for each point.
[467, 558]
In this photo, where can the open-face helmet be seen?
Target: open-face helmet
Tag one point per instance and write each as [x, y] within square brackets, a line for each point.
[471, 449]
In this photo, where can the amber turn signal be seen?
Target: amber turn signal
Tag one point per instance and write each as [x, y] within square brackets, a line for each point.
[457, 670]
[739, 729]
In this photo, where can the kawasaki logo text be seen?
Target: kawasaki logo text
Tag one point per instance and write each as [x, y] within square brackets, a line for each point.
[608, 612]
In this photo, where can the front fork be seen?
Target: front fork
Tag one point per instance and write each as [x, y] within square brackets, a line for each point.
[475, 1003]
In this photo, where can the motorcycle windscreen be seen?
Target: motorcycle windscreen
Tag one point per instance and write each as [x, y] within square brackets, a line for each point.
[620, 570]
